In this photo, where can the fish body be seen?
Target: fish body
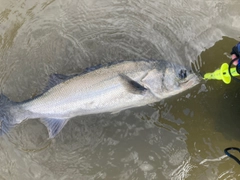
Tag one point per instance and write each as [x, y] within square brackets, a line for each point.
[111, 88]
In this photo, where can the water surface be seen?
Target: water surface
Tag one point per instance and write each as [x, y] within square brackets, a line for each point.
[182, 137]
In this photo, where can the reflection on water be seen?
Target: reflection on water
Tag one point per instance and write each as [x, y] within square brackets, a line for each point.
[182, 137]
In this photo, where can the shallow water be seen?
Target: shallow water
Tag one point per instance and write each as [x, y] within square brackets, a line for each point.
[182, 137]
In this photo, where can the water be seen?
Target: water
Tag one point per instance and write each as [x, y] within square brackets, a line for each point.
[182, 137]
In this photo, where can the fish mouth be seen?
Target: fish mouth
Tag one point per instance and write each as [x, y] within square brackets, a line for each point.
[191, 81]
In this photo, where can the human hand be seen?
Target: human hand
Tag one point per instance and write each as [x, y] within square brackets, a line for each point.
[234, 56]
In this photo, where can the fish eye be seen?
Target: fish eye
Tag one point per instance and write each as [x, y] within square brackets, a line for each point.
[183, 73]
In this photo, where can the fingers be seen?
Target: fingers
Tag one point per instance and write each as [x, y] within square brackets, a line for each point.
[233, 56]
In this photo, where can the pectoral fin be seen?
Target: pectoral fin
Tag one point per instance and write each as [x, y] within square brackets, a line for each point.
[54, 126]
[132, 86]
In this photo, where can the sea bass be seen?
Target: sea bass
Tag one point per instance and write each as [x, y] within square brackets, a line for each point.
[111, 88]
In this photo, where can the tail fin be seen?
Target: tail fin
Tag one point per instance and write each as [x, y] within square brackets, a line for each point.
[6, 117]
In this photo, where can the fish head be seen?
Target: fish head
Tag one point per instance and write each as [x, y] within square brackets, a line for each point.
[178, 78]
[168, 79]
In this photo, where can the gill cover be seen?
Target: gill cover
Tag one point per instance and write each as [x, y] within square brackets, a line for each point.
[154, 82]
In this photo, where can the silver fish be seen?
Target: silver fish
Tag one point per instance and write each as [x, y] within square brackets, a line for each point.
[110, 88]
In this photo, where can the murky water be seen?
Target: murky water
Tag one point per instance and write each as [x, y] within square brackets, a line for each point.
[182, 137]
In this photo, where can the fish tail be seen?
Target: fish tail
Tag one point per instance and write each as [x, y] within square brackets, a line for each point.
[7, 119]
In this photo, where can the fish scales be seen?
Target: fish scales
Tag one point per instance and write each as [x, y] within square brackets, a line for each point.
[111, 88]
[83, 94]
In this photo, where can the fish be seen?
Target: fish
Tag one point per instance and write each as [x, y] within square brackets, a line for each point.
[109, 88]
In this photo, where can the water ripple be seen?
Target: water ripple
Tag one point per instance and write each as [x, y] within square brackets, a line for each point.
[65, 36]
